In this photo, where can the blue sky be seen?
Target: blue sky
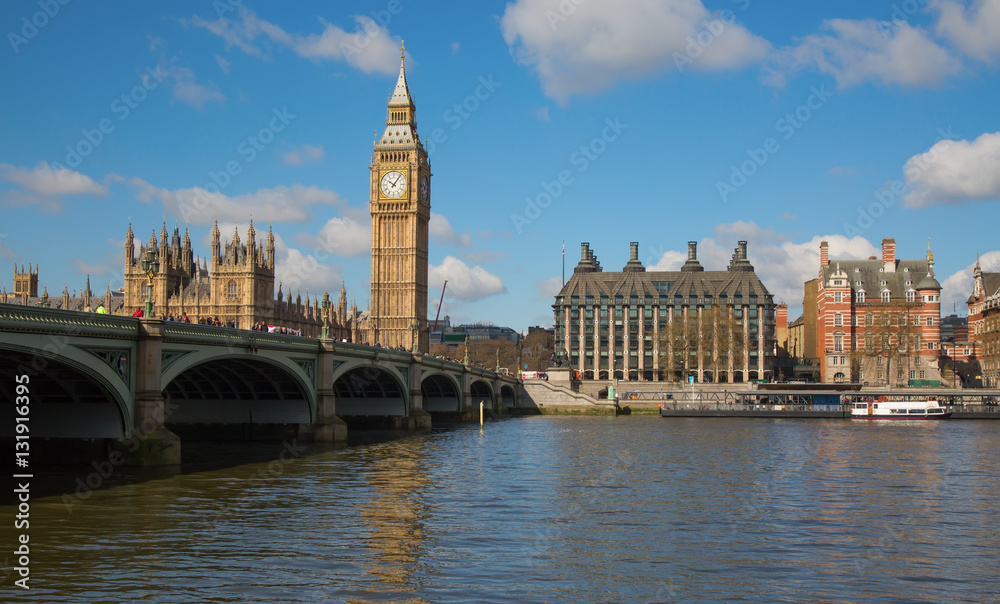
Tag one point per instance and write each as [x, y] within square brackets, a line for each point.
[581, 120]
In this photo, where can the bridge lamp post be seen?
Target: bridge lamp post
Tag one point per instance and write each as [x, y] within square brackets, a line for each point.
[326, 315]
[150, 266]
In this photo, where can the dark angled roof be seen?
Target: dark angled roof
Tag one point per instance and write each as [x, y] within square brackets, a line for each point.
[739, 278]
[867, 275]
[991, 283]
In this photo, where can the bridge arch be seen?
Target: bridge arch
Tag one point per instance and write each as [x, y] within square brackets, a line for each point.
[481, 391]
[508, 396]
[205, 387]
[441, 392]
[73, 393]
[371, 389]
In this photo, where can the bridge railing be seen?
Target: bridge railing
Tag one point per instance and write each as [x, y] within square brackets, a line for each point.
[33, 319]
[240, 338]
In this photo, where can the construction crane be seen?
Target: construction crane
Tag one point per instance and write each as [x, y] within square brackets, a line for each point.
[443, 287]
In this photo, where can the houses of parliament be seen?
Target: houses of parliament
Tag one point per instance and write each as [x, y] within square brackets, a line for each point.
[236, 282]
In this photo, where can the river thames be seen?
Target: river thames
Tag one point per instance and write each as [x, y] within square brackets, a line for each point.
[543, 509]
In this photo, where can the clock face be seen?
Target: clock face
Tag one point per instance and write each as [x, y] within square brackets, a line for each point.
[393, 184]
[425, 188]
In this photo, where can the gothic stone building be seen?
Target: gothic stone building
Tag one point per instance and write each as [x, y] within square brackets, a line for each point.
[715, 326]
[26, 293]
[878, 321]
[235, 284]
[400, 209]
[984, 322]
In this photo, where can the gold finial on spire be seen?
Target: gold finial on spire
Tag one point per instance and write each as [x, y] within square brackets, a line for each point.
[402, 50]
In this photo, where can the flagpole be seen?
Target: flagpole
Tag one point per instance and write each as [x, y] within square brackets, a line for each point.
[564, 262]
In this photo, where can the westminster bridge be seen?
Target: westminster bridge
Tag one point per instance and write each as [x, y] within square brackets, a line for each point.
[133, 382]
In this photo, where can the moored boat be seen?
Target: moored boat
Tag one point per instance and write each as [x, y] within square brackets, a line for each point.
[882, 409]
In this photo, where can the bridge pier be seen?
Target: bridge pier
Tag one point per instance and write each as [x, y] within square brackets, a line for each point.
[327, 428]
[149, 442]
[420, 419]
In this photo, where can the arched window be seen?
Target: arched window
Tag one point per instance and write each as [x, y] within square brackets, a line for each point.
[232, 290]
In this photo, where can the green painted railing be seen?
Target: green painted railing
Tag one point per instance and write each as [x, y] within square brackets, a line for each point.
[34, 319]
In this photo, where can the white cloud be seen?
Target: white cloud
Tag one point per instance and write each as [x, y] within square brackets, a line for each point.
[542, 113]
[308, 153]
[455, 46]
[187, 89]
[974, 29]
[954, 172]
[195, 205]
[587, 47]
[345, 236]
[464, 282]
[298, 271]
[44, 186]
[956, 289]
[224, 65]
[369, 47]
[858, 51]
[440, 231]
[44, 179]
[548, 289]
[669, 260]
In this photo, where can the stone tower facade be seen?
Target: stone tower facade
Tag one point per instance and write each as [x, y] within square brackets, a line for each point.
[26, 282]
[400, 210]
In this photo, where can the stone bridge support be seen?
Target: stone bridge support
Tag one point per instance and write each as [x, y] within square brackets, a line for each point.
[421, 418]
[327, 427]
[149, 442]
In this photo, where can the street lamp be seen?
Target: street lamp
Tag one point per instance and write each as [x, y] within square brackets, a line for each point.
[150, 266]
[326, 315]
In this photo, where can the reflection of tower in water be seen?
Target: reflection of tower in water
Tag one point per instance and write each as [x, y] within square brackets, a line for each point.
[395, 515]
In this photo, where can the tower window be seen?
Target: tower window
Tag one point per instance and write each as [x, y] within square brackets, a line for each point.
[232, 290]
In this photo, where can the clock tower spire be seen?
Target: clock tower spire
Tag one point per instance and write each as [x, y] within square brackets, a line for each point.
[400, 209]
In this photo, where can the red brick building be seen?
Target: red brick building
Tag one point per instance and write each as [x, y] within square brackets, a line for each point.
[878, 321]
[984, 323]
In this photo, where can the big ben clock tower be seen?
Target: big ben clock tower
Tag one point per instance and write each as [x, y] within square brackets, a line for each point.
[401, 210]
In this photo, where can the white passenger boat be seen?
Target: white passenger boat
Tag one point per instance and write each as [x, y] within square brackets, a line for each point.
[881, 409]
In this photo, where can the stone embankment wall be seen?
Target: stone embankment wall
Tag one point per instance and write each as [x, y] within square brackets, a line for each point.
[550, 398]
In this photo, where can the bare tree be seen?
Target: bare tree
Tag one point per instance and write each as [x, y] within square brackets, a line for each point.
[713, 336]
[890, 339]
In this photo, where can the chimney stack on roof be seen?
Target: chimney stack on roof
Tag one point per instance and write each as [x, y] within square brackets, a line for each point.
[889, 255]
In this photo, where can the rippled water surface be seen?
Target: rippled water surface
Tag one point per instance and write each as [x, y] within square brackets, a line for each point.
[546, 509]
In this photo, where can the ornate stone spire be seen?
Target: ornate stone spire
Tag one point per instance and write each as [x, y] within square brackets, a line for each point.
[401, 94]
